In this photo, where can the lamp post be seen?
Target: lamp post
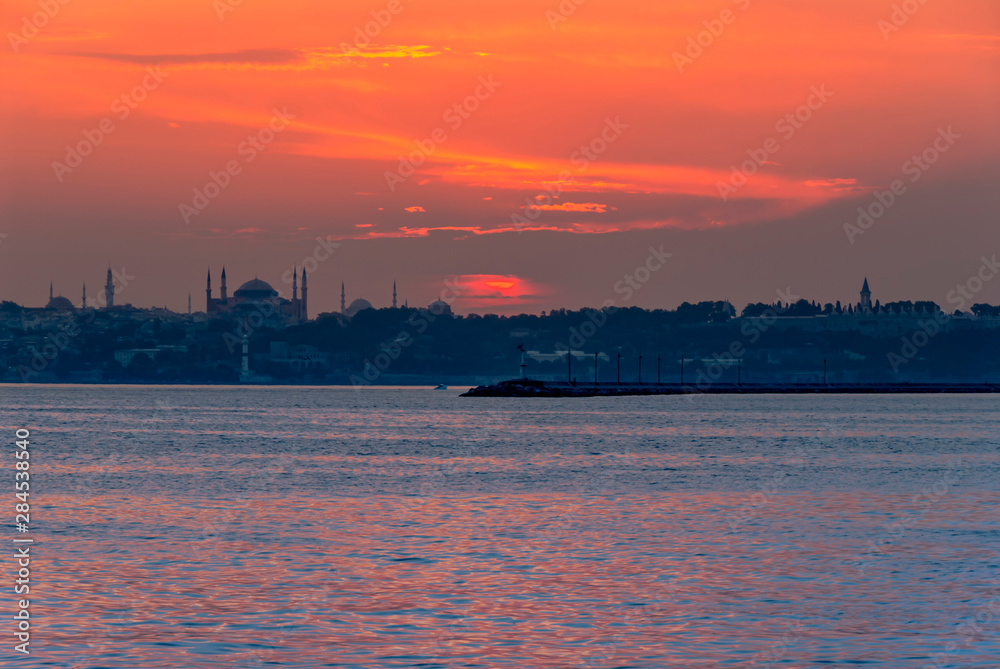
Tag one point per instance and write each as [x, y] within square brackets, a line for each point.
[640, 369]
[619, 377]
[595, 367]
[657, 369]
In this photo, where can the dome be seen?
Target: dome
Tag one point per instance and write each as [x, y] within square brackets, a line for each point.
[60, 302]
[356, 306]
[255, 289]
[439, 308]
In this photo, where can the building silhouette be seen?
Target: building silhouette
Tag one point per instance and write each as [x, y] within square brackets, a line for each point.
[866, 298]
[258, 295]
[109, 291]
[58, 302]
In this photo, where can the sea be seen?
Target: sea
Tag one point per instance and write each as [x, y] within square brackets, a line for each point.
[189, 527]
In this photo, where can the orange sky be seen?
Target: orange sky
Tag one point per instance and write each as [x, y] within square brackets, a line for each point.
[532, 86]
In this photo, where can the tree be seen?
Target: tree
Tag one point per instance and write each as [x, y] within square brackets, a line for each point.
[802, 308]
[756, 309]
[983, 310]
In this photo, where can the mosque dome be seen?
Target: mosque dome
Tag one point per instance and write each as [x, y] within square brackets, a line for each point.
[60, 303]
[255, 289]
[356, 306]
[439, 308]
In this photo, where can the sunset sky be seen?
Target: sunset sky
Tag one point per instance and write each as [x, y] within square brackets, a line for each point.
[418, 146]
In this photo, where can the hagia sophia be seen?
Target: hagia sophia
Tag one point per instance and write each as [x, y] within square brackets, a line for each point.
[254, 292]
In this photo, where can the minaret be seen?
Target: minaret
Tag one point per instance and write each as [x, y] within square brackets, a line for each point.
[84, 294]
[223, 288]
[305, 296]
[109, 291]
[50, 290]
[245, 372]
[394, 294]
[295, 293]
[866, 298]
[208, 293]
[343, 298]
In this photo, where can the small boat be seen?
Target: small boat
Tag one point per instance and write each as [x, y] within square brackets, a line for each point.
[441, 386]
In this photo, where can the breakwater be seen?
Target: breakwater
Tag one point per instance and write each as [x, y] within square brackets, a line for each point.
[533, 388]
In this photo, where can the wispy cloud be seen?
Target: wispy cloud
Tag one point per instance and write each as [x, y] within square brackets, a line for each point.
[251, 56]
[574, 227]
[581, 207]
[831, 183]
[316, 58]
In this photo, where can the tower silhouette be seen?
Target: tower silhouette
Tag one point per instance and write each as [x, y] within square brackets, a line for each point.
[305, 296]
[866, 297]
[109, 291]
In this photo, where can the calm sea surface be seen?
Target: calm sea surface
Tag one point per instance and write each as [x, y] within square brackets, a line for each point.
[195, 527]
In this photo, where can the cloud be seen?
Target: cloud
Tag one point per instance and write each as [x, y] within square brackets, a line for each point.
[988, 40]
[592, 207]
[476, 230]
[315, 58]
[831, 183]
[375, 51]
[252, 56]
[415, 210]
[71, 36]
